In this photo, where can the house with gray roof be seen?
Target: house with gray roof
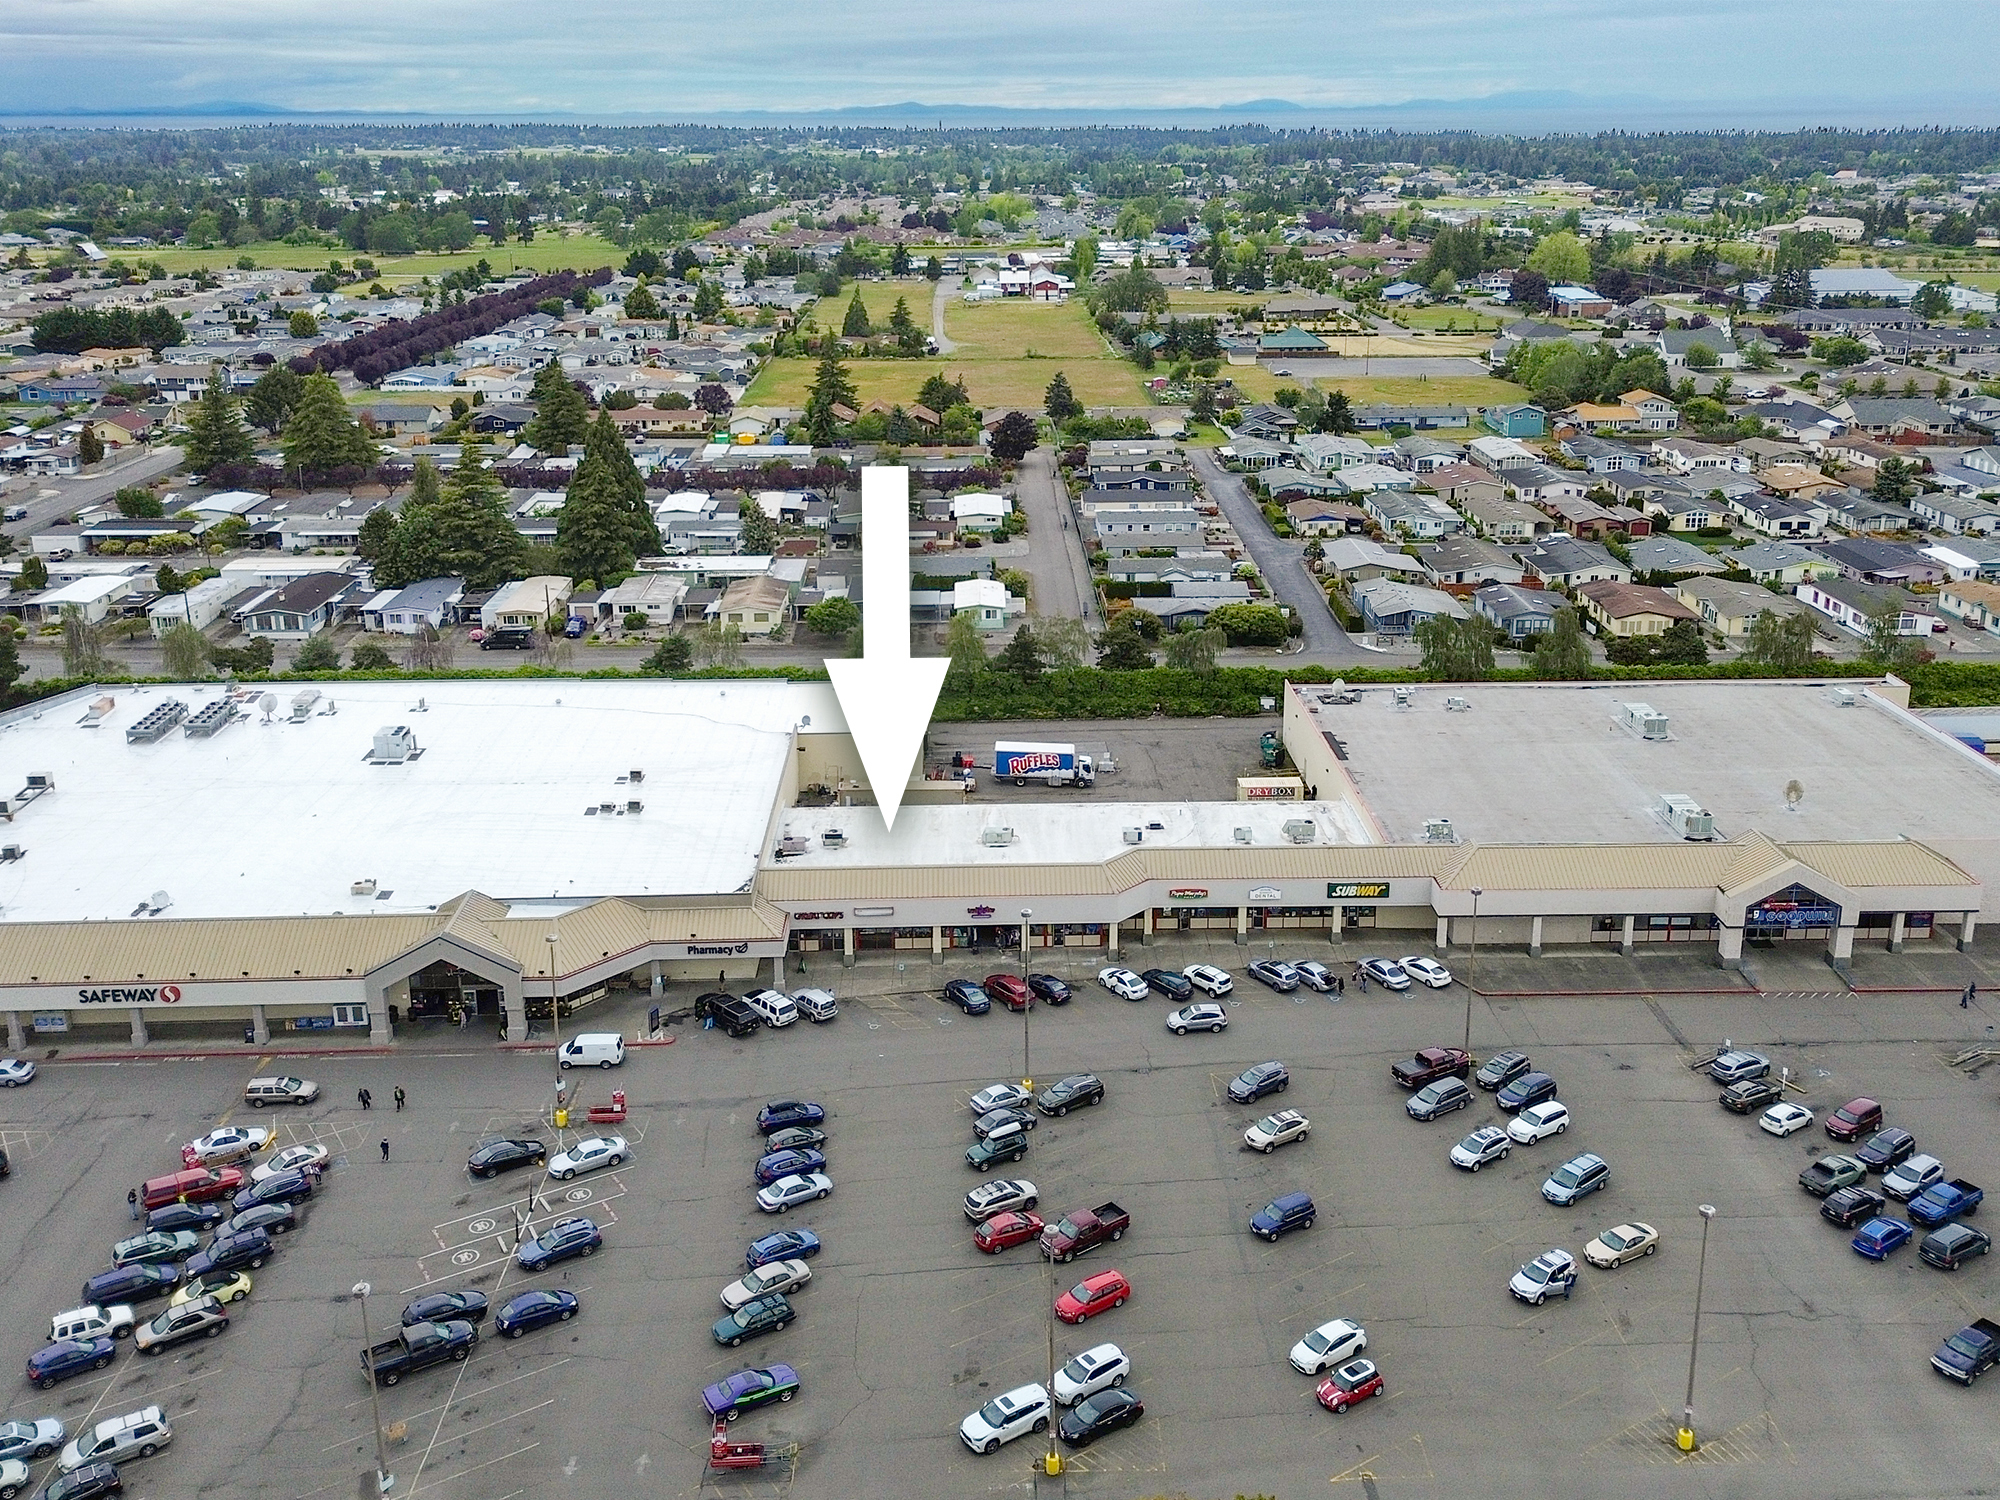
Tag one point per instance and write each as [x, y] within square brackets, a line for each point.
[1669, 554]
[1391, 608]
[1779, 562]
[1883, 416]
[1566, 562]
[1468, 561]
[1673, 344]
[1520, 611]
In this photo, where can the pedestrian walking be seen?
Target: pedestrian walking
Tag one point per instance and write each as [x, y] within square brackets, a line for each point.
[132, 1202]
[399, 1098]
[367, 1099]
[1364, 983]
[1971, 994]
[385, 1150]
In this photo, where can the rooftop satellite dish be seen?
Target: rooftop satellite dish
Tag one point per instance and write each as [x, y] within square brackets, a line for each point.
[161, 901]
[269, 704]
[1794, 795]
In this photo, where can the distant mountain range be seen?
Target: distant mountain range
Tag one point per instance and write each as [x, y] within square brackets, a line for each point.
[1524, 110]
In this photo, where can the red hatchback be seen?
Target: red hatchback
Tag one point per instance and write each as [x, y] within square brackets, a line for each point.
[1854, 1119]
[1003, 1231]
[1011, 990]
[1352, 1382]
[1093, 1295]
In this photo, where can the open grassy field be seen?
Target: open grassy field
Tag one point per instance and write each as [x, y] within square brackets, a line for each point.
[1179, 301]
[1363, 390]
[879, 297]
[1007, 354]
[1463, 319]
[583, 252]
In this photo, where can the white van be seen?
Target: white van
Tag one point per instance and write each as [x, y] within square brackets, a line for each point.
[815, 1005]
[603, 1049]
[138, 1434]
[81, 1324]
[773, 1008]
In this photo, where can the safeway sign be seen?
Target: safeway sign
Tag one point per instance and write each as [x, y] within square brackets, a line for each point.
[157, 994]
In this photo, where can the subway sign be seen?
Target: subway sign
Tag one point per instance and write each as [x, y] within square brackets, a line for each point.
[1357, 890]
[156, 994]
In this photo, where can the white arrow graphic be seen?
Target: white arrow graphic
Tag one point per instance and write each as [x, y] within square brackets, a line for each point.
[888, 695]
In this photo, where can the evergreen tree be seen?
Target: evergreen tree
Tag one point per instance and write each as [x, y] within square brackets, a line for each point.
[708, 301]
[377, 529]
[592, 537]
[562, 417]
[899, 261]
[1561, 652]
[317, 655]
[322, 433]
[216, 433]
[941, 394]
[641, 304]
[759, 536]
[831, 387]
[272, 398]
[1059, 401]
[856, 325]
[1122, 647]
[89, 447]
[11, 665]
[1021, 657]
[608, 444]
[900, 321]
[465, 533]
[933, 269]
[1013, 436]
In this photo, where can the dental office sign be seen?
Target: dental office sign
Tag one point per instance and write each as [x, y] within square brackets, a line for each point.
[153, 994]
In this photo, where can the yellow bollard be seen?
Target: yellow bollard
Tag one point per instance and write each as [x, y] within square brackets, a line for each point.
[1685, 1438]
[562, 1119]
[1052, 1463]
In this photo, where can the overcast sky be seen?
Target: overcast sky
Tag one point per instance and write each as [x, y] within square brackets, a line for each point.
[1698, 62]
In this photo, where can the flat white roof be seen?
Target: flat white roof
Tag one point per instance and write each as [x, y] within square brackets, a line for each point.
[281, 819]
[1062, 831]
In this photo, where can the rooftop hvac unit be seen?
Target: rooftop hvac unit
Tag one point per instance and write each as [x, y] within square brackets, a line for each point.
[41, 783]
[394, 744]
[1439, 831]
[156, 722]
[303, 703]
[362, 888]
[10, 852]
[1243, 836]
[1301, 830]
[1685, 816]
[1405, 697]
[634, 807]
[636, 776]
[995, 838]
[1456, 705]
[1133, 835]
[210, 719]
[1643, 720]
[834, 838]
[1841, 697]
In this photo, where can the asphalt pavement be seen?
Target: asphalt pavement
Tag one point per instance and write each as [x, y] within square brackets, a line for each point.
[72, 495]
[1282, 563]
[1056, 560]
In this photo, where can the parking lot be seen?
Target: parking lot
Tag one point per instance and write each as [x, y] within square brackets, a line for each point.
[1164, 760]
[1813, 1374]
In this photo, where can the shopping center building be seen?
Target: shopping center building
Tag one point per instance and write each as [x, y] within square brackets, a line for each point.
[355, 854]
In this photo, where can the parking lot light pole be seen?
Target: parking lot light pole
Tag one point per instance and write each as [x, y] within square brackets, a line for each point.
[1685, 1437]
[1028, 1004]
[383, 1478]
[1472, 967]
[1053, 1462]
[555, 1020]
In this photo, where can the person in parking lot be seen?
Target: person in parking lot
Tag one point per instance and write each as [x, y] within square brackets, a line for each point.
[132, 1202]
[399, 1098]
[367, 1099]
[385, 1150]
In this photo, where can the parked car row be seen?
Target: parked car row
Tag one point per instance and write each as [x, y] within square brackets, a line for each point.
[739, 1015]
[775, 1268]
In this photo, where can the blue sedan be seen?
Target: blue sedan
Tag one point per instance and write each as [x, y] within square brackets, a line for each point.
[49, 1367]
[786, 1244]
[560, 1241]
[788, 1164]
[1879, 1239]
[533, 1310]
[780, 1113]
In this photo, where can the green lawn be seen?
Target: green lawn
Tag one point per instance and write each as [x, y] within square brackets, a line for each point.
[1450, 319]
[879, 297]
[583, 252]
[1007, 354]
[1405, 390]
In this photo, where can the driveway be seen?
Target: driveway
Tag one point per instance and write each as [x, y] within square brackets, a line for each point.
[1281, 562]
[1056, 560]
[939, 293]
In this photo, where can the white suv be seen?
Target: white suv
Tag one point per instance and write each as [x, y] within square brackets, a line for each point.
[1005, 1418]
[772, 1008]
[1208, 979]
[82, 1324]
[138, 1434]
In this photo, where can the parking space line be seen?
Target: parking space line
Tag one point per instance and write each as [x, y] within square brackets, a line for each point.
[497, 1385]
[1035, 1316]
[414, 1487]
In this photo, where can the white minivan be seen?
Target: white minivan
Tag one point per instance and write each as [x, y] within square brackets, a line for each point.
[138, 1434]
[815, 1005]
[602, 1049]
[773, 1008]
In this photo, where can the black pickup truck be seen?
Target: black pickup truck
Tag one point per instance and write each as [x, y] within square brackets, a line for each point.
[418, 1346]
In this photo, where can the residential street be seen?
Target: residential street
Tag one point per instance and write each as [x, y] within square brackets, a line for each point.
[109, 477]
[1056, 560]
[1281, 562]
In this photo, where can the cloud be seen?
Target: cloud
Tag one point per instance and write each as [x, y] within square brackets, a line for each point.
[1733, 59]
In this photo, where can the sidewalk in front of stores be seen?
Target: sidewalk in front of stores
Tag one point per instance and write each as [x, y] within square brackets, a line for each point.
[1661, 971]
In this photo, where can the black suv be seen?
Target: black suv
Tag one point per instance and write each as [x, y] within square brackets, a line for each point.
[86, 1482]
[1848, 1206]
[272, 1218]
[495, 1157]
[508, 640]
[1255, 1083]
[1065, 1094]
[232, 1252]
[1167, 982]
[728, 1012]
[1048, 989]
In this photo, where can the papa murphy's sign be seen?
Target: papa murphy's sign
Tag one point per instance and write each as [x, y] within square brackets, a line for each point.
[153, 994]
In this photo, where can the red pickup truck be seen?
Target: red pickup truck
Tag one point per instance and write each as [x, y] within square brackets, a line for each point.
[1431, 1064]
[1084, 1230]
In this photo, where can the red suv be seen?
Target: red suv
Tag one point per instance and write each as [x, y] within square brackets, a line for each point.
[1011, 990]
[196, 1185]
[1093, 1295]
[1854, 1119]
